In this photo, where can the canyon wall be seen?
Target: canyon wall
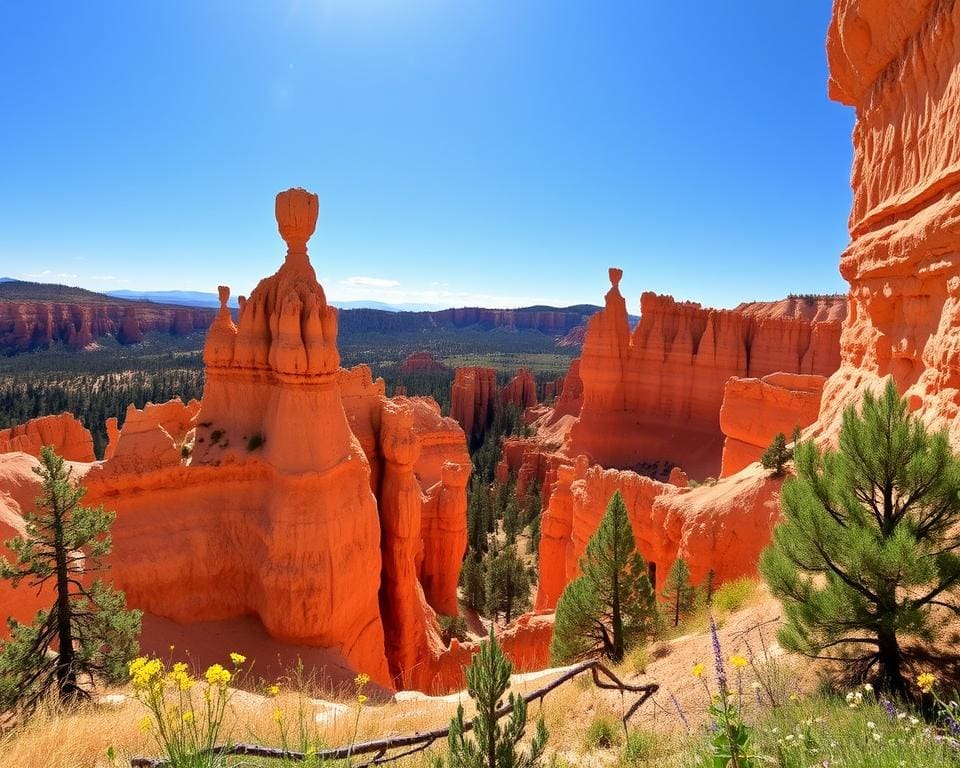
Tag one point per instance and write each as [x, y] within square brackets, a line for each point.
[654, 395]
[720, 527]
[898, 65]
[755, 410]
[37, 324]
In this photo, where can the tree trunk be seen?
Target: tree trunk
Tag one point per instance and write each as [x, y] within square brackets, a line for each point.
[66, 674]
[891, 660]
[617, 621]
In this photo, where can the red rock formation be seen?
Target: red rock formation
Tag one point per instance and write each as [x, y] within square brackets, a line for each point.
[35, 322]
[521, 390]
[444, 534]
[526, 643]
[298, 494]
[898, 65]
[722, 526]
[423, 362]
[755, 410]
[655, 395]
[400, 512]
[113, 436]
[571, 393]
[273, 514]
[64, 432]
[574, 337]
[678, 478]
[472, 399]
[153, 437]
[552, 389]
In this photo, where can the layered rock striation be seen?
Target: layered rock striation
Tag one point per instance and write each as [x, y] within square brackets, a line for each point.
[898, 65]
[31, 318]
[755, 410]
[64, 432]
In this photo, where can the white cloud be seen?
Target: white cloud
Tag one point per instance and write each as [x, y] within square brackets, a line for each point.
[47, 274]
[370, 282]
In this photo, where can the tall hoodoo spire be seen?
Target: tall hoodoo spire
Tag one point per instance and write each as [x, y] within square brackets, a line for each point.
[296, 212]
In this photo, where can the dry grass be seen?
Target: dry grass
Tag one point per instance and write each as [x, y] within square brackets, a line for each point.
[80, 738]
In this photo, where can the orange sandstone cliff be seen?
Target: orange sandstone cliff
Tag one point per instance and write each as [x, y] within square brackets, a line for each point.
[64, 432]
[898, 66]
[654, 395]
[755, 410]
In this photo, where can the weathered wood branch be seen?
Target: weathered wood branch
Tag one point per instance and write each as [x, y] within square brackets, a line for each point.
[417, 742]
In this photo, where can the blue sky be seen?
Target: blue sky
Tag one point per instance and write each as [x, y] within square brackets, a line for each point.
[493, 152]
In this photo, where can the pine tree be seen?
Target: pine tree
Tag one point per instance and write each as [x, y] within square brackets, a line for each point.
[507, 584]
[612, 605]
[869, 543]
[479, 515]
[488, 678]
[511, 519]
[776, 455]
[86, 632]
[678, 592]
[473, 582]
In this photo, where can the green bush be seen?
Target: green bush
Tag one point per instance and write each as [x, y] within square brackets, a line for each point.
[452, 627]
[733, 595]
[603, 733]
[255, 442]
[640, 749]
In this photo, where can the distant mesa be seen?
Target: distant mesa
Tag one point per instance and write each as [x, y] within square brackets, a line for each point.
[422, 362]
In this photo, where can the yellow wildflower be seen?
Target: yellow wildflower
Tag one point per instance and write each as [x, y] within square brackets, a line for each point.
[362, 699]
[926, 682]
[146, 723]
[274, 690]
[188, 716]
[180, 677]
[217, 675]
[278, 715]
[361, 680]
[237, 659]
[145, 672]
[738, 661]
[698, 670]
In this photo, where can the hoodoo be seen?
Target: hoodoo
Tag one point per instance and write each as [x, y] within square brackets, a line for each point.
[295, 491]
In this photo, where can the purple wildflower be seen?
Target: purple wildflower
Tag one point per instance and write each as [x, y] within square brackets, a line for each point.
[888, 708]
[683, 717]
[718, 657]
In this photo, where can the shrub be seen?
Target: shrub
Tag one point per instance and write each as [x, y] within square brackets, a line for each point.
[602, 733]
[733, 595]
[216, 435]
[255, 442]
[452, 627]
[637, 660]
[640, 749]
